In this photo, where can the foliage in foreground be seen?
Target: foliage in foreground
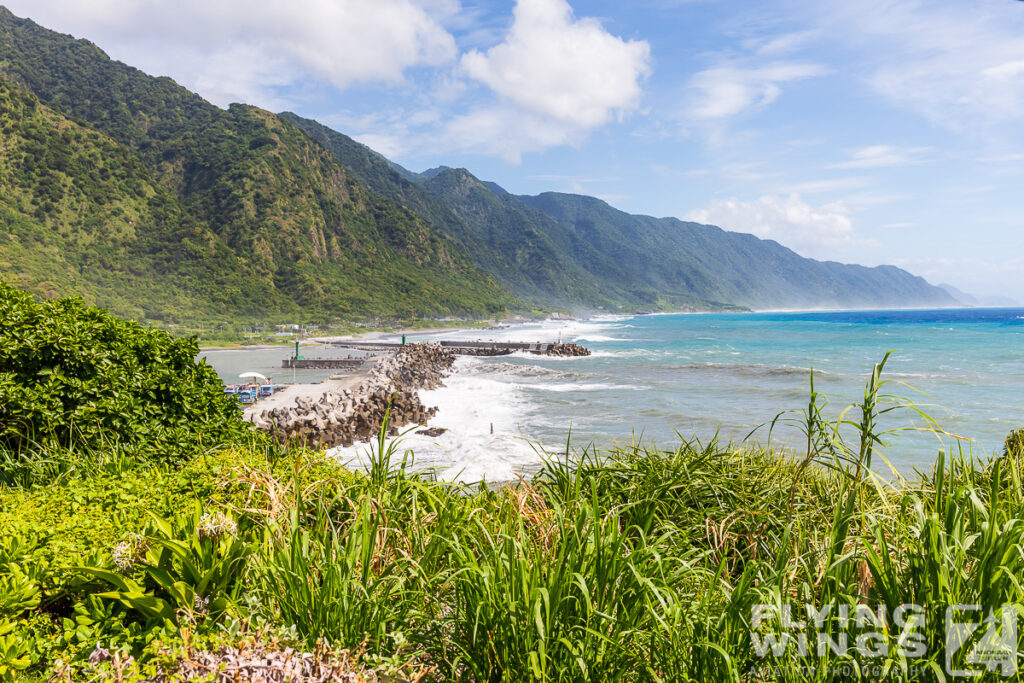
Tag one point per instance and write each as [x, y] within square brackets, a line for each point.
[629, 565]
[75, 377]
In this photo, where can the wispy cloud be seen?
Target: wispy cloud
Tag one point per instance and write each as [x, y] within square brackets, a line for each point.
[822, 186]
[1002, 159]
[728, 90]
[878, 156]
[817, 231]
[958, 64]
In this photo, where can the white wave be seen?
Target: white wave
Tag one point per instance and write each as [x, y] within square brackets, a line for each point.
[585, 387]
[518, 370]
[468, 407]
[549, 359]
[545, 331]
[611, 317]
[597, 338]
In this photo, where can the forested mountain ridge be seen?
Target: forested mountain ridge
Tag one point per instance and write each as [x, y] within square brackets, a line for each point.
[287, 228]
[577, 251]
[185, 209]
[499, 241]
[733, 266]
[526, 250]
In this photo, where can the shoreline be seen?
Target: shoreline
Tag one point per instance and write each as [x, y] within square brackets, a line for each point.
[320, 339]
[345, 410]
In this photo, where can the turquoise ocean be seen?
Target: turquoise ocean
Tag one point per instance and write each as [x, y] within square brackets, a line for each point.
[658, 378]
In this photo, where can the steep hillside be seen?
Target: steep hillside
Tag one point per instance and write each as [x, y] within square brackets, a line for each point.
[81, 215]
[730, 266]
[574, 250]
[518, 243]
[499, 239]
[303, 233]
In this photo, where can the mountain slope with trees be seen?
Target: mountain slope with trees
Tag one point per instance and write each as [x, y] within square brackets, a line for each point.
[578, 251]
[732, 266]
[143, 197]
[286, 228]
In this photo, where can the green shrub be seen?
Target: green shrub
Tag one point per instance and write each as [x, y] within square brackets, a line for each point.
[72, 376]
[190, 567]
[1014, 444]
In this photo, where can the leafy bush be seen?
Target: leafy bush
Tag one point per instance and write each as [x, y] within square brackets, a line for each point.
[1014, 444]
[76, 377]
[191, 567]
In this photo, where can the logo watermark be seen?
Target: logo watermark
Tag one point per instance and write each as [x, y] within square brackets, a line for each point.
[975, 642]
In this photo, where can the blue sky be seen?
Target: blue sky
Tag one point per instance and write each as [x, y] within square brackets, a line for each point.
[875, 131]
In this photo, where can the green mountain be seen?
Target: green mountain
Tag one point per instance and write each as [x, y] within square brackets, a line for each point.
[526, 250]
[81, 214]
[144, 198]
[571, 250]
[233, 212]
[719, 265]
[501, 240]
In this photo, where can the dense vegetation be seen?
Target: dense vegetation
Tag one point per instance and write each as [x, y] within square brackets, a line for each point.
[635, 564]
[501, 240]
[137, 194]
[74, 378]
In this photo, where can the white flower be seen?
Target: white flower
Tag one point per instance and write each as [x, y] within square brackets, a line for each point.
[200, 604]
[215, 525]
[128, 552]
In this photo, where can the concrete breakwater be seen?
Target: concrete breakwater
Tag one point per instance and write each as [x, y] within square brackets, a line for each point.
[323, 363]
[568, 350]
[356, 414]
[476, 348]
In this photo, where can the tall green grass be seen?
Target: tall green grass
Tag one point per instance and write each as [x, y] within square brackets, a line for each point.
[633, 564]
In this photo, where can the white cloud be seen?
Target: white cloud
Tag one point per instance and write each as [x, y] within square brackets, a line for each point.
[824, 186]
[877, 156]
[1005, 71]
[725, 91]
[566, 69]
[554, 78]
[817, 231]
[235, 49]
[496, 131]
[958, 64]
[503, 132]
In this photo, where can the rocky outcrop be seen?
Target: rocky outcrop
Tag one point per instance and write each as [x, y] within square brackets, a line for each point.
[574, 350]
[341, 419]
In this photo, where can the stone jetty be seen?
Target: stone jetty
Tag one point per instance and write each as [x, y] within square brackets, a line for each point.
[473, 348]
[569, 350]
[342, 418]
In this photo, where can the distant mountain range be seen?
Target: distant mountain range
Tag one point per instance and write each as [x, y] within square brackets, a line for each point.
[970, 300]
[565, 248]
[140, 196]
